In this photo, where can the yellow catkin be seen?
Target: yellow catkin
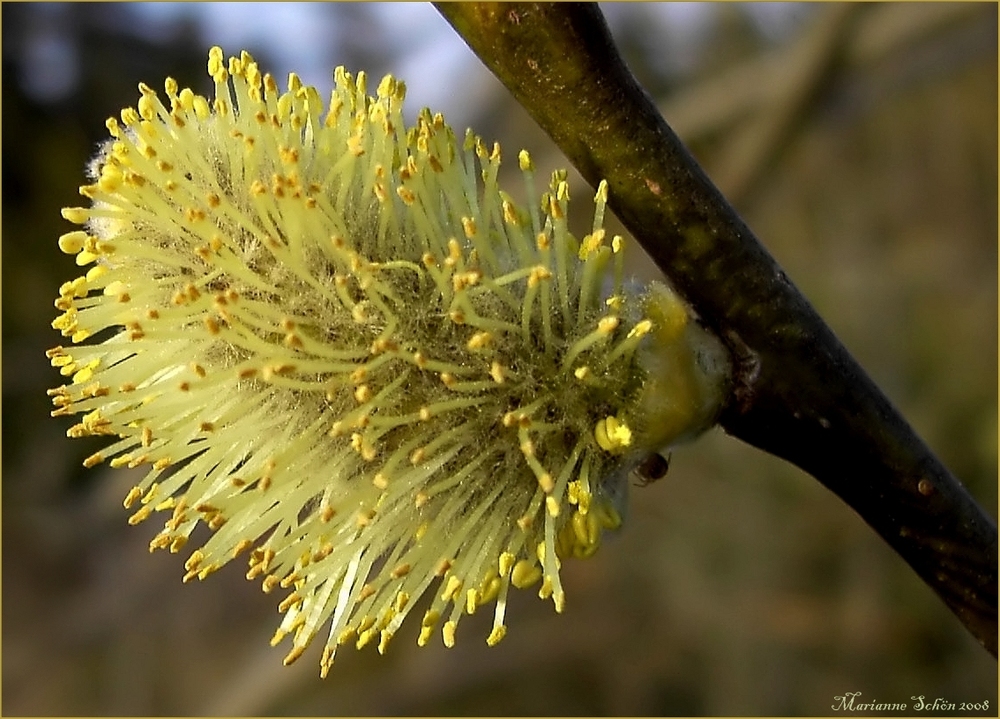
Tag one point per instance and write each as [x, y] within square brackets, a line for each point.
[331, 338]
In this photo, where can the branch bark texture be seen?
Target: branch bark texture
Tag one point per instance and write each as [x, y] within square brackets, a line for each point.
[797, 392]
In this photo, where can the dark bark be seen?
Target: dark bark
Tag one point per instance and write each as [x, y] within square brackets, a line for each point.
[797, 392]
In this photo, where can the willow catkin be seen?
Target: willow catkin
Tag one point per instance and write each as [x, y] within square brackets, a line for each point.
[338, 343]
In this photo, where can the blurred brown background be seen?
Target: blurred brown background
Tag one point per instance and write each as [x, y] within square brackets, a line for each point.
[860, 142]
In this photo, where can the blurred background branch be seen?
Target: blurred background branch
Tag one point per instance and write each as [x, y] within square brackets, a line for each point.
[798, 393]
[792, 83]
[754, 104]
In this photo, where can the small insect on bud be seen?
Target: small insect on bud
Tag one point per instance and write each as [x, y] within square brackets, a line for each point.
[652, 469]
